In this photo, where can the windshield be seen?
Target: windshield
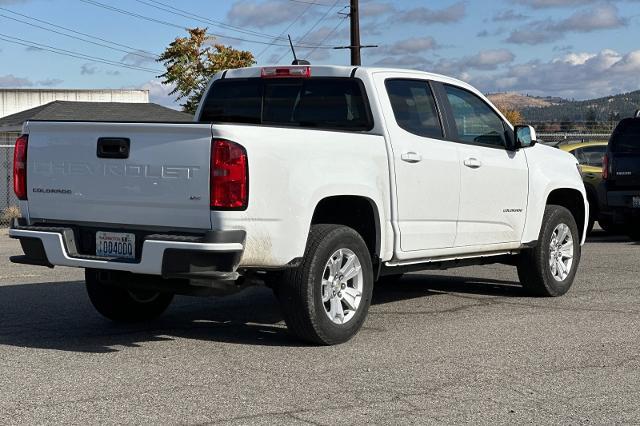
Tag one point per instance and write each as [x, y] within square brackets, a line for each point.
[325, 103]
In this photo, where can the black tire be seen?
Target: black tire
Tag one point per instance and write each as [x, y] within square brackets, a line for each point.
[300, 290]
[534, 268]
[119, 304]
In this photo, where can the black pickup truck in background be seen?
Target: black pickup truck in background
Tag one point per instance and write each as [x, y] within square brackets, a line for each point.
[619, 192]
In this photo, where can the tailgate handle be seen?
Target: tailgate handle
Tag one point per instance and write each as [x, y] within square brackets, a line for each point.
[113, 147]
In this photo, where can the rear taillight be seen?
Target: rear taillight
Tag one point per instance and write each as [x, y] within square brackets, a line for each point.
[605, 166]
[20, 167]
[229, 176]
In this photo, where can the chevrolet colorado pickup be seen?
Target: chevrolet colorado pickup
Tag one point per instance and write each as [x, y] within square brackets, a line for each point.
[314, 180]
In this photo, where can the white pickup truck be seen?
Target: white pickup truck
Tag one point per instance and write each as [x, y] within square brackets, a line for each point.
[316, 180]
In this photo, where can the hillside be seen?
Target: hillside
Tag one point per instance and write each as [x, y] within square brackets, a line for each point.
[610, 108]
[517, 101]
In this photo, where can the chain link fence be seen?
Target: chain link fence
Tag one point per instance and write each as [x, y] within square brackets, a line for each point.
[8, 201]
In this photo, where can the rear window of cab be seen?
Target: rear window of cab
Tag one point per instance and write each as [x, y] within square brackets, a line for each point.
[318, 102]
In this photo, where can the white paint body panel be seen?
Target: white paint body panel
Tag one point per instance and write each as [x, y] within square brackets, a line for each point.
[493, 197]
[436, 210]
[428, 191]
[168, 164]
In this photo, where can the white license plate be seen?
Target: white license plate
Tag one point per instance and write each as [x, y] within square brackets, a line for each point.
[636, 202]
[116, 244]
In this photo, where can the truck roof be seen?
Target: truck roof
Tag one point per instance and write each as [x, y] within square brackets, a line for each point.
[340, 71]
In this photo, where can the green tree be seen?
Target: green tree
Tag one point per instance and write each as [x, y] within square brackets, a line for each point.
[192, 61]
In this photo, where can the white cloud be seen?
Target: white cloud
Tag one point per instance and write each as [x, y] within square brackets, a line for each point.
[139, 58]
[426, 16]
[50, 82]
[11, 80]
[541, 4]
[600, 17]
[576, 75]
[261, 14]
[413, 45]
[375, 8]
[508, 15]
[160, 93]
[88, 69]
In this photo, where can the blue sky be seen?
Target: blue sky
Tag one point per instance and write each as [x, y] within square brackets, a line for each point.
[571, 48]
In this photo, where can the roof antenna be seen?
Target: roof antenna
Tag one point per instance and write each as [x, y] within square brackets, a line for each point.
[296, 61]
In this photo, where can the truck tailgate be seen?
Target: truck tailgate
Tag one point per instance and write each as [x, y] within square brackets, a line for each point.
[164, 181]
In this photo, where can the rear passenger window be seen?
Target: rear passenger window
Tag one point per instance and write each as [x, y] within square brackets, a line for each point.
[476, 121]
[414, 107]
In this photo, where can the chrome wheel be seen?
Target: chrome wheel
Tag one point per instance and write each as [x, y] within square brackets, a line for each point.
[561, 252]
[342, 282]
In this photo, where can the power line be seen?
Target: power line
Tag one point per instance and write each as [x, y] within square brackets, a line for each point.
[185, 14]
[42, 21]
[171, 24]
[342, 21]
[322, 18]
[286, 30]
[64, 52]
[312, 3]
[142, 55]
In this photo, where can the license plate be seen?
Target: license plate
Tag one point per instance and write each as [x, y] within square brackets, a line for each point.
[116, 244]
[636, 202]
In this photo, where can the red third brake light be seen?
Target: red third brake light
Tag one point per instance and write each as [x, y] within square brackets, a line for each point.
[286, 72]
[605, 166]
[229, 176]
[20, 167]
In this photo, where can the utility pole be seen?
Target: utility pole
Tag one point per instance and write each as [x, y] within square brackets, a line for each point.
[354, 16]
[355, 47]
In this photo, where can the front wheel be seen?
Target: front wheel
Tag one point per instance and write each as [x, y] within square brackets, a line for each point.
[325, 300]
[550, 268]
[120, 304]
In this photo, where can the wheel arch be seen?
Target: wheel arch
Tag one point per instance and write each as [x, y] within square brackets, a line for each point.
[574, 201]
[339, 210]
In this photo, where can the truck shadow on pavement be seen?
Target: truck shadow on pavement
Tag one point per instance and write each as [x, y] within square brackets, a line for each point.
[59, 315]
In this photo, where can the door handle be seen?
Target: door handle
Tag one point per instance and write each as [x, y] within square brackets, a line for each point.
[113, 148]
[473, 163]
[411, 157]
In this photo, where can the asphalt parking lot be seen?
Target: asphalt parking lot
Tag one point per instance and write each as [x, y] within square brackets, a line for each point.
[447, 347]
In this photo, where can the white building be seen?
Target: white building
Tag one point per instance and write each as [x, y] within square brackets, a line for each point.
[17, 100]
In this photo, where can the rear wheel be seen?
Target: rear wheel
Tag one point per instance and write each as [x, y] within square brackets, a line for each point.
[120, 304]
[550, 268]
[325, 300]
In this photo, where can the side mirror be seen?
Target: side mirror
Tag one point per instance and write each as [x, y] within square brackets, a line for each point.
[525, 136]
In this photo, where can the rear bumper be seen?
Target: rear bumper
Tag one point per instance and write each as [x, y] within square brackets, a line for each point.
[213, 255]
[617, 206]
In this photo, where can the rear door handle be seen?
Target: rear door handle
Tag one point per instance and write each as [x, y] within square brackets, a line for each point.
[113, 148]
[411, 157]
[473, 163]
